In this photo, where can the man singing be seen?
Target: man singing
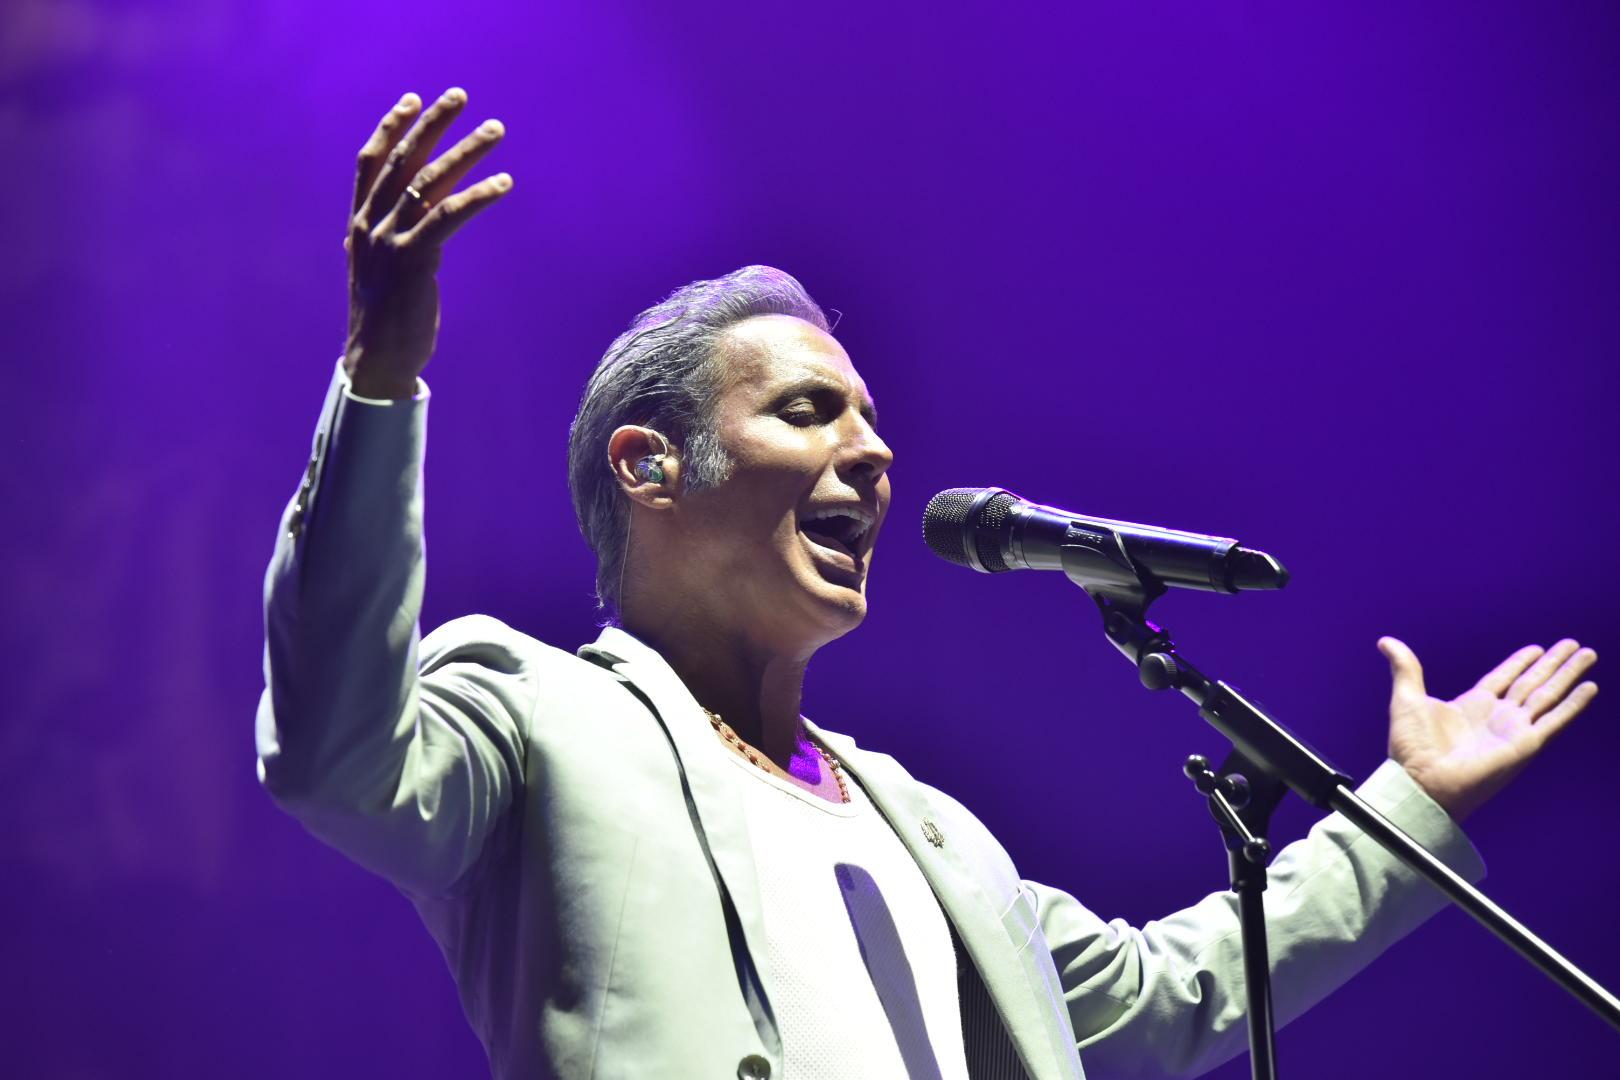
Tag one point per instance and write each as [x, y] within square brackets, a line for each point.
[640, 860]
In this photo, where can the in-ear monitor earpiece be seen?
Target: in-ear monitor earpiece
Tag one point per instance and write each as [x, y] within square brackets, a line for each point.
[650, 469]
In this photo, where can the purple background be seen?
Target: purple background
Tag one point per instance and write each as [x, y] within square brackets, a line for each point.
[1339, 282]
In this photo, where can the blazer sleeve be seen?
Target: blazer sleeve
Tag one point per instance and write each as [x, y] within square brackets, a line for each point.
[1168, 999]
[409, 772]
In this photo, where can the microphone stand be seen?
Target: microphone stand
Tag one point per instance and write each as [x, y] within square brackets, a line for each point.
[1268, 758]
[1243, 815]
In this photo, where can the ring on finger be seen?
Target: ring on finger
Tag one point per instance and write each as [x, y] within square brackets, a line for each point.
[416, 197]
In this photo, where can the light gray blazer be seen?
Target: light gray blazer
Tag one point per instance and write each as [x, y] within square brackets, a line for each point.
[572, 835]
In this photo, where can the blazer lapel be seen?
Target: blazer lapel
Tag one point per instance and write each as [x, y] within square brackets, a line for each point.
[1012, 975]
[1017, 982]
[714, 794]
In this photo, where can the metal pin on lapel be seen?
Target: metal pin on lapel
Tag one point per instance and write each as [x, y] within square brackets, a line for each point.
[932, 834]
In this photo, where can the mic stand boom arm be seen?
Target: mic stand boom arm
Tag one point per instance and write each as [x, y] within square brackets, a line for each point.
[1264, 745]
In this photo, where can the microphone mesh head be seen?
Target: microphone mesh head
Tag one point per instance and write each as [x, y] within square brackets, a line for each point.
[987, 531]
[942, 524]
[946, 526]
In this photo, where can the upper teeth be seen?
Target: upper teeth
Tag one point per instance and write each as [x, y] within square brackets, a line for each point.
[859, 513]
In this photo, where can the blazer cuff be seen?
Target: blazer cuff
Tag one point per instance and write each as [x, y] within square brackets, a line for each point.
[386, 436]
[1392, 792]
[342, 377]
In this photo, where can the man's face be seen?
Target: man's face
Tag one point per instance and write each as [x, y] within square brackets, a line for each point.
[785, 543]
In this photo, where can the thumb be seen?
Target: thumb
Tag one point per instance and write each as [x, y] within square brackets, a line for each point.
[1404, 669]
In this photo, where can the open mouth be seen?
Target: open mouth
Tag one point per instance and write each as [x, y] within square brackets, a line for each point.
[841, 531]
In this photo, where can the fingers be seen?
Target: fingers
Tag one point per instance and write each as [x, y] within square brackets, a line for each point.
[452, 213]
[1539, 672]
[1499, 678]
[1404, 667]
[440, 177]
[410, 153]
[1567, 710]
[375, 152]
[1550, 693]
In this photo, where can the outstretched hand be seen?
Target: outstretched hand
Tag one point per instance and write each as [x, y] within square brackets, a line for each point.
[1465, 750]
[404, 210]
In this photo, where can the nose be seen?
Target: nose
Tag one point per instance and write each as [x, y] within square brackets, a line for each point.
[865, 453]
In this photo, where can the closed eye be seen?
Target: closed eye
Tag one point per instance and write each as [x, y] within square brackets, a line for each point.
[820, 406]
[806, 411]
[802, 416]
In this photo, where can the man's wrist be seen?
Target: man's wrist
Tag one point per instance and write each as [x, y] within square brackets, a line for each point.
[379, 375]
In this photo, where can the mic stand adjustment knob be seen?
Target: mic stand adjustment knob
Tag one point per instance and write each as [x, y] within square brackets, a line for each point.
[1159, 671]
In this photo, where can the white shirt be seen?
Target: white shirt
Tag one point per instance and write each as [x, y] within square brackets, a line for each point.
[862, 969]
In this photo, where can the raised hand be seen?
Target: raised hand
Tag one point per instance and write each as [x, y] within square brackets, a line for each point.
[1465, 750]
[405, 207]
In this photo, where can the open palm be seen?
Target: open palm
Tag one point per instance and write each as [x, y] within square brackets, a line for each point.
[1464, 750]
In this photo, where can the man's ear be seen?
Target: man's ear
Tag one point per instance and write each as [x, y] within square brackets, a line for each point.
[645, 465]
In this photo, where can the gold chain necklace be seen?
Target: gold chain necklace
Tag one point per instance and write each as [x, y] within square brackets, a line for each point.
[723, 729]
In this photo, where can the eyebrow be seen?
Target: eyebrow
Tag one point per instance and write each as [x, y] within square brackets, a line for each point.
[811, 383]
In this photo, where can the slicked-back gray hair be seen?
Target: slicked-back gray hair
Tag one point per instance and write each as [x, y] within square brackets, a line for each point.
[663, 373]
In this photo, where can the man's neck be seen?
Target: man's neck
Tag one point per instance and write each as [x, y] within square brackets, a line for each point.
[757, 692]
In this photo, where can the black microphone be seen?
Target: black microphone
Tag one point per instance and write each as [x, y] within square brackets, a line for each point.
[993, 531]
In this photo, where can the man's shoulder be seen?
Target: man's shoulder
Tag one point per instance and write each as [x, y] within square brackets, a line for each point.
[489, 642]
